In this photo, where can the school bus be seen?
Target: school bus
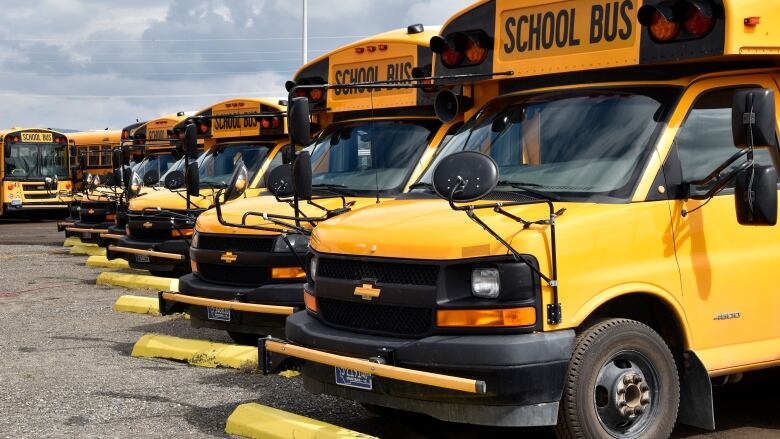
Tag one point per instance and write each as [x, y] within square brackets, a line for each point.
[160, 223]
[101, 207]
[370, 146]
[35, 168]
[575, 254]
[96, 147]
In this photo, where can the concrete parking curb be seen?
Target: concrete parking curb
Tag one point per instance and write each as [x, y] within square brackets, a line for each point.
[137, 281]
[103, 262]
[71, 241]
[196, 352]
[138, 305]
[87, 250]
[263, 422]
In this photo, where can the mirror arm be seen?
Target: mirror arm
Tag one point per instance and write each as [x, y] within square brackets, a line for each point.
[714, 174]
[722, 182]
[297, 258]
[275, 219]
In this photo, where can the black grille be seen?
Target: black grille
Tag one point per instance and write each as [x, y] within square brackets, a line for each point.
[92, 219]
[150, 235]
[235, 275]
[40, 196]
[398, 320]
[382, 272]
[235, 243]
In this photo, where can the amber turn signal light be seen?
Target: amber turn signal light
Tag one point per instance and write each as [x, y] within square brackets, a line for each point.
[486, 318]
[310, 301]
[288, 273]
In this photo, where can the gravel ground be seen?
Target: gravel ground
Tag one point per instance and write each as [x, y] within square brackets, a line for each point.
[66, 370]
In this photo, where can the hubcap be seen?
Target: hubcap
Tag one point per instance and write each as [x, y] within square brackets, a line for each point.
[625, 394]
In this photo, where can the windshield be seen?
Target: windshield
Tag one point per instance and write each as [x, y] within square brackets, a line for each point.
[36, 160]
[579, 144]
[370, 156]
[178, 166]
[153, 166]
[217, 166]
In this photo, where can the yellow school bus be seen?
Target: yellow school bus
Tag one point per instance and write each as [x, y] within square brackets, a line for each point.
[35, 168]
[372, 144]
[594, 247]
[101, 206]
[96, 147]
[160, 223]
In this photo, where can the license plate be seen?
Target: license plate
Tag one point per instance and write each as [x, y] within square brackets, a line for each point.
[86, 235]
[219, 314]
[141, 258]
[353, 378]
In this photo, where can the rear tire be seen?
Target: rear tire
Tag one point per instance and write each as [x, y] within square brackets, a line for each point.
[243, 338]
[622, 382]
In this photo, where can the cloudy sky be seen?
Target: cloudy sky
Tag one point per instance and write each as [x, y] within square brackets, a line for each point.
[93, 64]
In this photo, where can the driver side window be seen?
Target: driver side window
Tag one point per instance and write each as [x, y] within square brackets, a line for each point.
[705, 140]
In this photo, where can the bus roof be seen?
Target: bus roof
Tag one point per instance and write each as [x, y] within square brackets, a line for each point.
[384, 57]
[13, 130]
[213, 127]
[537, 37]
[95, 137]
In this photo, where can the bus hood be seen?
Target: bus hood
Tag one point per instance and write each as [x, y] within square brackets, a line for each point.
[165, 199]
[430, 230]
[234, 211]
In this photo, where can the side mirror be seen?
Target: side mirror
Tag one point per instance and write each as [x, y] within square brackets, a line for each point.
[449, 105]
[117, 180]
[756, 204]
[238, 182]
[127, 176]
[174, 180]
[6, 152]
[299, 121]
[116, 158]
[190, 141]
[753, 115]
[82, 161]
[301, 172]
[193, 179]
[465, 176]
[151, 178]
[125, 155]
[280, 181]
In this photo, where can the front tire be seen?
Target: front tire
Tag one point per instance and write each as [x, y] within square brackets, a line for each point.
[622, 382]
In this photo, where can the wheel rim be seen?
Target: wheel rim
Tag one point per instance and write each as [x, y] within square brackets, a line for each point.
[625, 395]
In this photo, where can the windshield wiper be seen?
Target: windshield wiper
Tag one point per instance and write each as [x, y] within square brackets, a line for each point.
[530, 188]
[420, 185]
[335, 188]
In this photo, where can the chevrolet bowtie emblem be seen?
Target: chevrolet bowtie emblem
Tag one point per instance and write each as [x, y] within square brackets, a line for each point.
[148, 225]
[229, 258]
[91, 211]
[367, 292]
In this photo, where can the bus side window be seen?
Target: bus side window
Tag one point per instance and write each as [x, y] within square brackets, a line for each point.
[705, 140]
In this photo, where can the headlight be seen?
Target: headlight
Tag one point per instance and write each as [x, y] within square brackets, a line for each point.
[485, 283]
[195, 238]
[135, 184]
[300, 244]
[88, 180]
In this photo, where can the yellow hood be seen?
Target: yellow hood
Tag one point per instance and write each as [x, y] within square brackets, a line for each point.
[430, 229]
[233, 212]
[165, 199]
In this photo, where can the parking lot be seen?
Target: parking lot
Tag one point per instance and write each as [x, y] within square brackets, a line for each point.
[66, 367]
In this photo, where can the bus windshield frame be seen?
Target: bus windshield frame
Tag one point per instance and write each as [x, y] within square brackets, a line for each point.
[588, 144]
[384, 180]
[43, 152]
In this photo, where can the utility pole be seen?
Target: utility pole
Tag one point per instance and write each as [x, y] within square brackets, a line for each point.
[305, 31]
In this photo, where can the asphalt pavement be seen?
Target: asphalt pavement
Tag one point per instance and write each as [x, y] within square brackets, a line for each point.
[66, 369]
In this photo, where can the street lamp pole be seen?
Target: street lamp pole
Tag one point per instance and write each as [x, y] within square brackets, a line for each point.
[305, 31]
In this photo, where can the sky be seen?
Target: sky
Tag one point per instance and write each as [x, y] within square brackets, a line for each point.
[96, 64]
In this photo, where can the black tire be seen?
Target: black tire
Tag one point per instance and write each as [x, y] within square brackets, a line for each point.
[243, 338]
[619, 366]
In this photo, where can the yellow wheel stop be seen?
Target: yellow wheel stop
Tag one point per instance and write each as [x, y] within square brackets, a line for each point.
[138, 305]
[137, 281]
[196, 352]
[262, 422]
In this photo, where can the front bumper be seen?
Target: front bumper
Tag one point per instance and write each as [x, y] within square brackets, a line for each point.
[523, 374]
[89, 233]
[269, 305]
[166, 256]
